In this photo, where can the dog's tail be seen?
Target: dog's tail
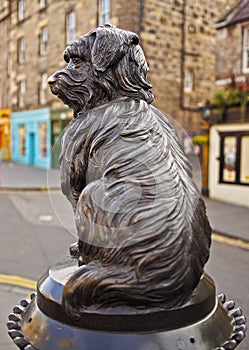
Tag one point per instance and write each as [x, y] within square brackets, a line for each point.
[96, 286]
[160, 271]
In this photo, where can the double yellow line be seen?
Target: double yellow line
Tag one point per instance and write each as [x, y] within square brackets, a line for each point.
[18, 281]
[234, 242]
[31, 284]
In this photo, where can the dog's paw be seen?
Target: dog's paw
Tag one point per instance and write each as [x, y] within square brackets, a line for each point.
[74, 250]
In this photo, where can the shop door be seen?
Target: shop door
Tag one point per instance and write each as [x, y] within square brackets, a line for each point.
[31, 148]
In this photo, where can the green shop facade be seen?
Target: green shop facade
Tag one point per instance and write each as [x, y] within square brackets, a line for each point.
[36, 136]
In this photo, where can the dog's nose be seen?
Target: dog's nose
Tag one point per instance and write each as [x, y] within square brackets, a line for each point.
[51, 80]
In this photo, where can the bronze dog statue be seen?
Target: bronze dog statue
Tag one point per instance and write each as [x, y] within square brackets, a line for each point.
[143, 232]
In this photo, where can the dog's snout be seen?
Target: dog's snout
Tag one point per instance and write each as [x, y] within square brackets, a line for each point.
[51, 80]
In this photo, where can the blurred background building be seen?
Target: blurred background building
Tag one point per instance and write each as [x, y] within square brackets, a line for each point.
[195, 49]
[229, 135]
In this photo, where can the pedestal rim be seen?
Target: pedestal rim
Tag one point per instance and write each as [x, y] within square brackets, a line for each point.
[122, 319]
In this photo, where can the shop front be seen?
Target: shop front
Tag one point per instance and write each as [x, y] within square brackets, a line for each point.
[229, 163]
[31, 137]
[59, 120]
[5, 145]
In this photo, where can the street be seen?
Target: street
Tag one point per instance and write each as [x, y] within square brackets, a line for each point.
[37, 229]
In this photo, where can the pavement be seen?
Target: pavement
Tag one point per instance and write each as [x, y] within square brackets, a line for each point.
[225, 218]
[16, 176]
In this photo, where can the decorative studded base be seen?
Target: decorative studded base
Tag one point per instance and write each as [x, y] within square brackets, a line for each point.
[206, 322]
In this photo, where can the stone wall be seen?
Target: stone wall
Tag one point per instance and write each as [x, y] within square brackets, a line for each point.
[229, 51]
[176, 35]
[4, 39]
[179, 35]
[52, 16]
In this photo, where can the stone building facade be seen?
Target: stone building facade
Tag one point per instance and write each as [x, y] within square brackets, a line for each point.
[229, 139]
[232, 42]
[48, 23]
[178, 38]
[4, 49]
[5, 147]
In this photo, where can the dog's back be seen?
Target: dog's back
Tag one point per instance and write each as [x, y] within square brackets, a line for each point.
[143, 233]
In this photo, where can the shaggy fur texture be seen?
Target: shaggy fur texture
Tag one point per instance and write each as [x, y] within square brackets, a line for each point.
[143, 233]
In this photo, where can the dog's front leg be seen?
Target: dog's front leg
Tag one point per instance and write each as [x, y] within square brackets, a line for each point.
[74, 250]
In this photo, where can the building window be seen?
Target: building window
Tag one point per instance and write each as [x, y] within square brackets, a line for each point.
[21, 50]
[22, 139]
[244, 163]
[43, 89]
[4, 3]
[42, 4]
[43, 150]
[104, 11]
[234, 154]
[229, 159]
[43, 39]
[9, 64]
[189, 81]
[21, 10]
[245, 49]
[70, 27]
[21, 93]
[245, 58]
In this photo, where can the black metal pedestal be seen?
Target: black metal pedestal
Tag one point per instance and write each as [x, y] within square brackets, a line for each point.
[205, 322]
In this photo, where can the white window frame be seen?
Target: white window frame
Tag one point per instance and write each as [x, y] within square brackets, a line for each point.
[43, 41]
[4, 3]
[21, 10]
[70, 27]
[245, 50]
[21, 50]
[42, 4]
[189, 80]
[21, 93]
[42, 89]
[104, 11]
[9, 64]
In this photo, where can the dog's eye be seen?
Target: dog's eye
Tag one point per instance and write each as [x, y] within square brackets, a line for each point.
[75, 60]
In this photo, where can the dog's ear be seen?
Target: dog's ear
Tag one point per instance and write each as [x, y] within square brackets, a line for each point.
[110, 45]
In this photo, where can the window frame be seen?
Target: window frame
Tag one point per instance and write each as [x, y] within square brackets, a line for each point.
[22, 150]
[21, 93]
[104, 12]
[21, 5]
[21, 50]
[245, 50]
[43, 139]
[9, 64]
[4, 4]
[71, 29]
[43, 41]
[189, 79]
[239, 136]
[43, 89]
[42, 4]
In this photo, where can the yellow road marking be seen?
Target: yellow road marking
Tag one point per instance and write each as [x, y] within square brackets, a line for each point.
[230, 241]
[18, 281]
[31, 284]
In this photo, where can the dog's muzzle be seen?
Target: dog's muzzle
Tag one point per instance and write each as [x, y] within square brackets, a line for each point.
[52, 84]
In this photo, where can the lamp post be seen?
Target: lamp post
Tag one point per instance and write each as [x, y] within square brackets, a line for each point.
[206, 116]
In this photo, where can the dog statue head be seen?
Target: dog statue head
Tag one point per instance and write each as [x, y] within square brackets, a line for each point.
[103, 65]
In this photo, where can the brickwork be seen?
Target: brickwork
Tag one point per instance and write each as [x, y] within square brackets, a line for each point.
[4, 39]
[229, 51]
[176, 35]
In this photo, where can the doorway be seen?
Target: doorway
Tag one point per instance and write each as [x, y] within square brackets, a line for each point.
[31, 148]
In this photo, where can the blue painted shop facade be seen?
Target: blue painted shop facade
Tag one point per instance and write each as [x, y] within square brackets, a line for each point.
[35, 136]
